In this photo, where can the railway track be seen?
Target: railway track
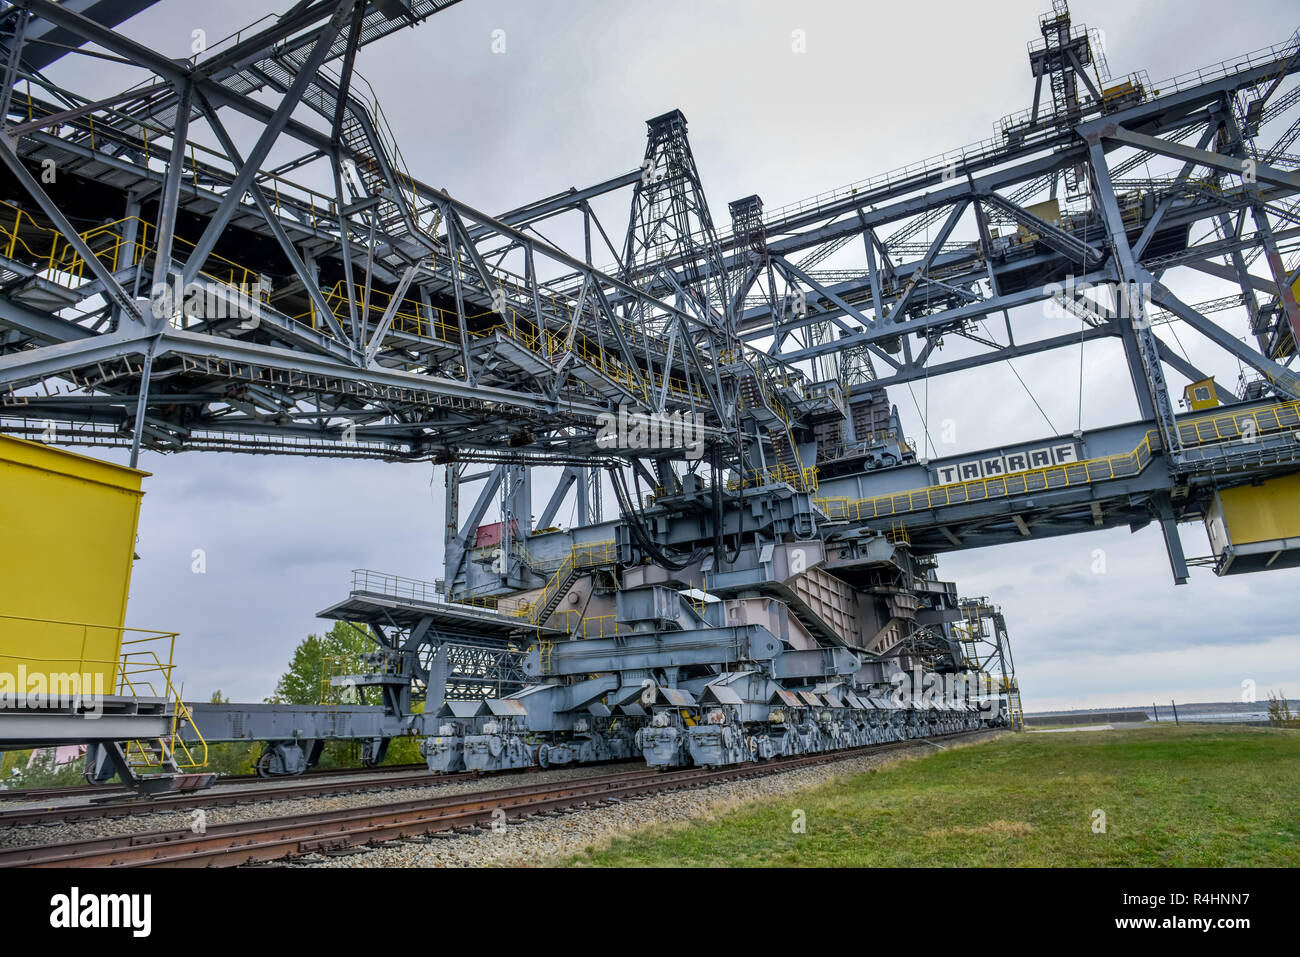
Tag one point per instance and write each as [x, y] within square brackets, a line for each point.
[69, 813]
[78, 790]
[281, 838]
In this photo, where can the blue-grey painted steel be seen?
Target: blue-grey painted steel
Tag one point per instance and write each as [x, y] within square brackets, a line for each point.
[762, 589]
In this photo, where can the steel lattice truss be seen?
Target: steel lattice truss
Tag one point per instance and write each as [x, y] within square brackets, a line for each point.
[403, 324]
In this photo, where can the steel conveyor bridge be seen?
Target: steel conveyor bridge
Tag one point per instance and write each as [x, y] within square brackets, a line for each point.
[163, 286]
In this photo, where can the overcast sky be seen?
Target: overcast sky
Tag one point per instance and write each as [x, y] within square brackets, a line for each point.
[879, 85]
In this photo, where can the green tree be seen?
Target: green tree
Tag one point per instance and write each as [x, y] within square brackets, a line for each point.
[406, 750]
[338, 651]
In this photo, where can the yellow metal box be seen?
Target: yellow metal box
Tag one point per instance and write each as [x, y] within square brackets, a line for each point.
[1252, 527]
[68, 526]
[1201, 395]
[1049, 211]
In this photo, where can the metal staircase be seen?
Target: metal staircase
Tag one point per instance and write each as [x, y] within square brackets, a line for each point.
[168, 762]
[579, 560]
[381, 171]
[787, 466]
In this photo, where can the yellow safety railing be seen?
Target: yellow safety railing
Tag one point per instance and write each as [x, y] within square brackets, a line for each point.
[1203, 430]
[768, 399]
[141, 672]
[588, 555]
[23, 238]
[552, 345]
[490, 602]
[413, 318]
[1228, 426]
[309, 201]
[595, 626]
[978, 490]
[221, 269]
[805, 479]
[698, 603]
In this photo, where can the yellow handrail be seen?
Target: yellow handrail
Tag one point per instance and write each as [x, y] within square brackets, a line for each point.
[1223, 426]
[137, 670]
[577, 625]
[800, 478]
[587, 555]
[54, 254]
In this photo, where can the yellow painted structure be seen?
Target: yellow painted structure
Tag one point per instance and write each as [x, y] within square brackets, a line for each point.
[1259, 513]
[1287, 345]
[67, 540]
[1201, 395]
[1118, 91]
[1049, 211]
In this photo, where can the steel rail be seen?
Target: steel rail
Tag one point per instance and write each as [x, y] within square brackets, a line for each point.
[281, 838]
[68, 813]
[90, 790]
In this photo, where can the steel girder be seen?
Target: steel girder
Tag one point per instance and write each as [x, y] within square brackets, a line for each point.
[359, 374]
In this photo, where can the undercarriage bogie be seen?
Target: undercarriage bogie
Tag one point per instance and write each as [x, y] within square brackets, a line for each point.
[721, 730]
[445, 751]
[588, 747]
[500, 746]
[286, 758]
[718, 740]
[664, 741]
[765, 746]
[497, 745]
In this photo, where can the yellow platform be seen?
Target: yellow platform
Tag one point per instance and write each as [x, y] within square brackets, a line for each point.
[67, 539]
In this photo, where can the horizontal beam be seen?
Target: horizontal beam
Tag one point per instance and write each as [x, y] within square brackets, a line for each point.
[1245, 168]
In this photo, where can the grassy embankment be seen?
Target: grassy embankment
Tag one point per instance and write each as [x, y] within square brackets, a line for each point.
[1177, 797]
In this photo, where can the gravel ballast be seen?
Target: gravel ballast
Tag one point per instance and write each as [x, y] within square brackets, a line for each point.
[141, 820]
[549, 840]
[522, 842]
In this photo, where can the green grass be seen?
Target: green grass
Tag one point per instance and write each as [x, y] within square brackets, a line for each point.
[1173, 797]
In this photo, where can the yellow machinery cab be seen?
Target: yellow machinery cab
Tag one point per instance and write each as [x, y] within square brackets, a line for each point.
[1201, 395]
